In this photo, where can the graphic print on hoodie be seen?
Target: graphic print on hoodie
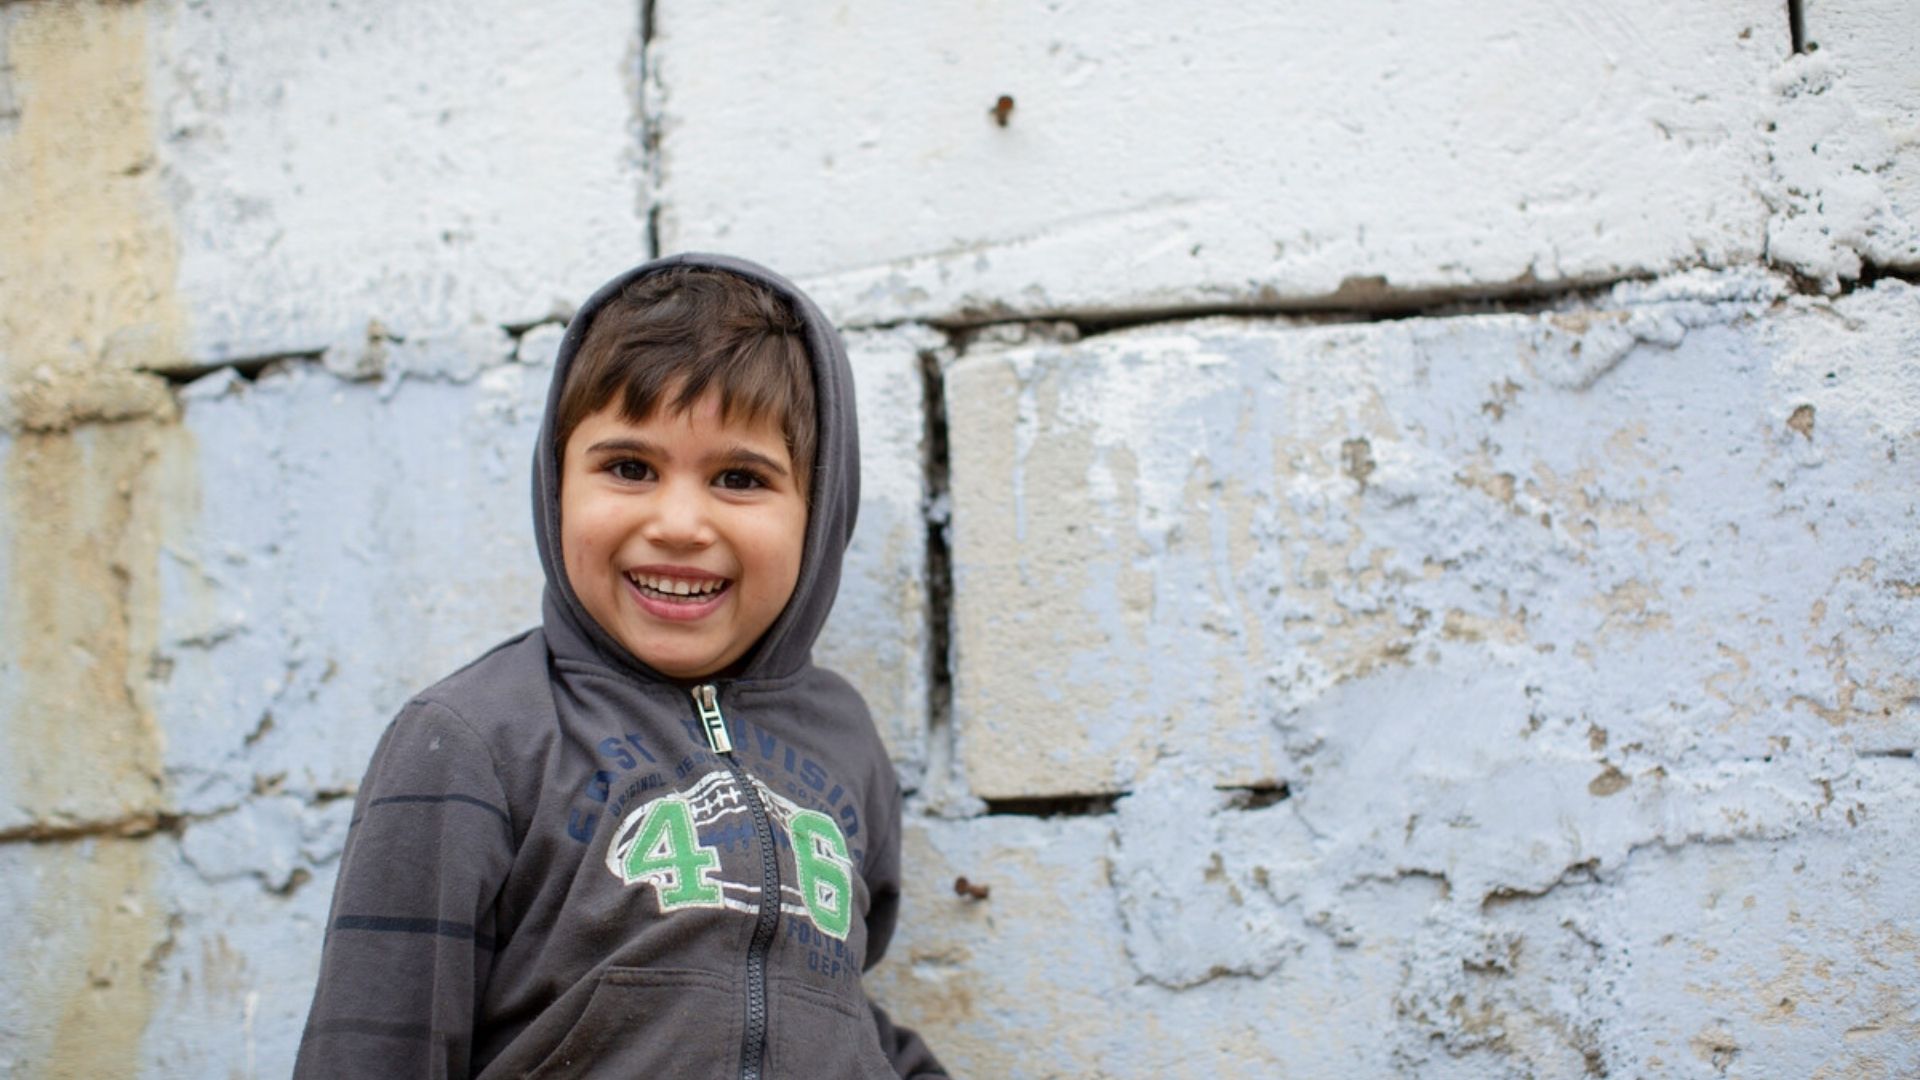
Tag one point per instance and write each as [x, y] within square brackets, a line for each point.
[562, 864]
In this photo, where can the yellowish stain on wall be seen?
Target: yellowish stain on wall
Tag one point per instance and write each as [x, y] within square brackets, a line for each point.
[87, 300]
[100, 997]
[937, 984]
[87, 258]
[1019, 595]
[84, 748]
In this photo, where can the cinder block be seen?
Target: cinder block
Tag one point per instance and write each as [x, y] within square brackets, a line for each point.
[168, 956]
[1318, 155]
[87, 254]
[412, 168]
[246, 898]
[1056, 971]
[80, 735]
[1017, 984]
[877, 636]
[347, 545]
[1689, 959]
[1587, 553]
[1189, 934]
[87, 924]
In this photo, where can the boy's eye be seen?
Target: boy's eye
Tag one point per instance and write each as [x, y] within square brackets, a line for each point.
[631, 471]
[739, 480]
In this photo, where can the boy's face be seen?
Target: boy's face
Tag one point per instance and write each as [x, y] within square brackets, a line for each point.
[682, 533]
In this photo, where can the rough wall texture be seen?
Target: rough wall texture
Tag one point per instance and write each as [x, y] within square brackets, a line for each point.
[1389, 541]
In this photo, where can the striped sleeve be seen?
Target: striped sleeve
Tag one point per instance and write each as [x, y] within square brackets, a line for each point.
[411, 937]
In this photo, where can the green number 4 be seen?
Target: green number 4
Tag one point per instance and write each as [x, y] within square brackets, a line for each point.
[826, 881]
[668, 855]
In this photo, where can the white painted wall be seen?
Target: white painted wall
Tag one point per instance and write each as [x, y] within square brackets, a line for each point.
[1421, 578]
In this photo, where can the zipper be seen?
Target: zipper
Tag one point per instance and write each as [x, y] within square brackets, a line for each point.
[706, 704]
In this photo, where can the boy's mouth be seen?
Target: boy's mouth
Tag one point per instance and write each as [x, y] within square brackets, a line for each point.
[677, 590]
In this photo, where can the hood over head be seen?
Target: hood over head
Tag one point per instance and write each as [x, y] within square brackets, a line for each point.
[833, 501]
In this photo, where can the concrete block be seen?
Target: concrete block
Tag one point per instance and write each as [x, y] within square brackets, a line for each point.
[1291, 955]
[246, 917]
[340, 172]
[88, 925]
[1019, 984]
[167, 956]
[348, 544]
[1046, 977]
[1844, 142]
[877, 636]
[87, 256]
[84, 515]
[1317, 156]
[1780, 957]
[1442, 550]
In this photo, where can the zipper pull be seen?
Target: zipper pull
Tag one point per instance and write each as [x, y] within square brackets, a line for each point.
[706, 699]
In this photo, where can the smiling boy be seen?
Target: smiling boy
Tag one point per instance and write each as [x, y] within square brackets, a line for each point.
[649, 838]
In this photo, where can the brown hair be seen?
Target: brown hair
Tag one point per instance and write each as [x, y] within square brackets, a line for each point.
[688, 330]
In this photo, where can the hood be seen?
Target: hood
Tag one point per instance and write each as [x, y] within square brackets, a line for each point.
[788, 644]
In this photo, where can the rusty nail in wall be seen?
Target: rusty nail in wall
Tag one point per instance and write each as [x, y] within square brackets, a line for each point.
[1002, 109]
[963, 887]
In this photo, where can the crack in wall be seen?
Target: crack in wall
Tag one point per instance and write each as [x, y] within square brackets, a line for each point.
[141, 824]
[249, 368]
[962, 334]
[1358, 299]
[647, 105]
[126, 827]
[1053, 806]
[1374, 301]
[935, 509]
[1871, 274]
[1797, 27]
[1256, 796]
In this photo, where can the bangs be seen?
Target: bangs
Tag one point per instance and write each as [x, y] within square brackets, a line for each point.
[671, 338]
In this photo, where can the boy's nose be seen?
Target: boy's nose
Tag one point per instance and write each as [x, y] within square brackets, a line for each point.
[678, 518]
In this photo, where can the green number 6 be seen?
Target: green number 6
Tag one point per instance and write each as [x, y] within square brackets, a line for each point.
[826, 874]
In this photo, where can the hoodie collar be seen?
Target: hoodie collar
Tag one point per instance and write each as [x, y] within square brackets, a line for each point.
[787, 645]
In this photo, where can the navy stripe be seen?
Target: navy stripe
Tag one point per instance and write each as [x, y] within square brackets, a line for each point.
[394, 924]
[467, 799]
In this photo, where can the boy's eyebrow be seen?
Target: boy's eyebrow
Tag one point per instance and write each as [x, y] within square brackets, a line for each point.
[747, 456]
[623, 445]
[738, 454]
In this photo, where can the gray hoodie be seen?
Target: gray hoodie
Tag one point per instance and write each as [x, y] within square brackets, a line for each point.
[563, 864]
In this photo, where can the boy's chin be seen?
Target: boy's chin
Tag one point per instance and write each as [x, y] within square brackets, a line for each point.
[681, 665]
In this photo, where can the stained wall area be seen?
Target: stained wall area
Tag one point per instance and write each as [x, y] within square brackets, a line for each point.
[1389, 530]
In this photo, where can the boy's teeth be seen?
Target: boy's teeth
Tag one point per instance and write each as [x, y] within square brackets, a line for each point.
[678, 586]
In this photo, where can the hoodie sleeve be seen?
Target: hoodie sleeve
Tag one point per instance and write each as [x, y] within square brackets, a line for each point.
[906, 1050]
[410, 939]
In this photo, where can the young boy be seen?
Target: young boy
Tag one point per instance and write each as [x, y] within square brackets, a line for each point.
[649, 838]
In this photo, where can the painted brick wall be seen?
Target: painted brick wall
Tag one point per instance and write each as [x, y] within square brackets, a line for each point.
[1388, 542]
